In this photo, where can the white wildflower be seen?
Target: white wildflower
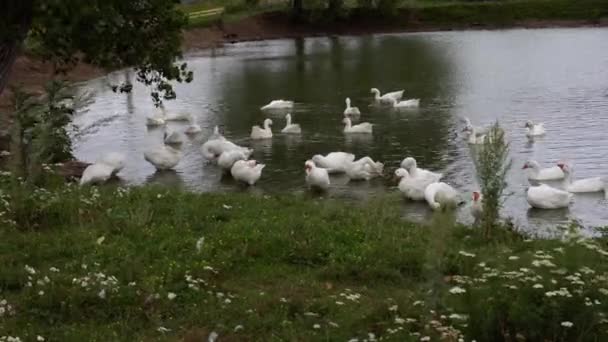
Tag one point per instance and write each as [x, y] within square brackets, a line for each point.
[316, 326]
[171, 295]
[418, 302]
[399, 320]
[466, 254]
[538, 286]
[393, 308]
[100, 240]
[163, 329]
[283, 300]
[41, 293]
[39, 338]
[311, 314]
[513, 257]
[199, 244]
[212, 336]
[457, 290]
[102, 294]
[29, 269]
[567, 324]
[54, 269]
[425, 338]
[458, 317]
[227, 207]
[227, 301]
[334, 324]
[238, 327]
[132, 283]
[339, 303]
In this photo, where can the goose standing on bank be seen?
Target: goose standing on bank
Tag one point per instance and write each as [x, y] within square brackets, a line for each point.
[594, 184]
[316, 177]
[334, 162]
[546, 197]
[262, 133]
[106, 166]
[441, 195]
[412, 188]
[386, 98]
[278, 104]
[536, 173]
[247, 171]
[350, 111]
[291, 128]
[364, 127]
[411, 166]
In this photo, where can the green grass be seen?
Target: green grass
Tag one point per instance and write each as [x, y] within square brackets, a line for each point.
[282, 267]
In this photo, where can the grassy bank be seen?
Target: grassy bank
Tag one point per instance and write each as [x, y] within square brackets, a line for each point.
[156, 264]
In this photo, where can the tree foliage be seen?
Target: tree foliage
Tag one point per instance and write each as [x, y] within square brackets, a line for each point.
[144, 34]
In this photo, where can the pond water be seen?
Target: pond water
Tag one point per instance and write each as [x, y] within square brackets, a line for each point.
[555, 76]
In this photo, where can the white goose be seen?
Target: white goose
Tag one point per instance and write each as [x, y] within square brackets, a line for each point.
[334, 162]
[172, 137]
[534, 130]
[193, 128]
[535, 173]
[470, 128]
[247, 171]
[410, 103]
[412, 188]
[351, 110]
[114, 159]
[155, 121]
[364, 169]
[386, 98]
[213, 148]
[262, 133]
[546, 197]
[594, 184]
[441, 195]
[289, 127]
[477, 206]
[228, 158]
[163, 157]
[96, 173]
[278, 104]
[316, 177]
[475, 138]
[364, 127]
[411, 166]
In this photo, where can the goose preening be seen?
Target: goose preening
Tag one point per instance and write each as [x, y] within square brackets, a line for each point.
[364, 127]
[350, 110]
[278, 104]
[262, 133]
[163, 157]
[546, 197]
[247, 171]
[193, 128]
[411, 166]
[316, 177]
[228, 158]
[534, 130]
[106, 166]
[536, 173]
[441, 195]
[412, 188]
[477, 206]
[213, 148]
[386, 98]
[291, 128]
[334, 162]
[410, 103]
[172, 137]
[364, 169]
[594, 184]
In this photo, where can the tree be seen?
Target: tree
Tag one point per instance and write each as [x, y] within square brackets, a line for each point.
[297, 8]
[144, 34]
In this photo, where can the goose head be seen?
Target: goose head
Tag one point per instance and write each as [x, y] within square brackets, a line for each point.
[476, 196]
[347, 102]
[288, 118]
[529, 124]
[565, 168]
[408, 163]
[531, 164]
[400, 173]
[309, 165]
[376, 92]
[316, 158]
[267, 123]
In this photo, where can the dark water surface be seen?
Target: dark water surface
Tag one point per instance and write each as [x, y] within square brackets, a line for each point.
[556, 76]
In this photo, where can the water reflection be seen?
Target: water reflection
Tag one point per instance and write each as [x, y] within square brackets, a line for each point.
[504, 75]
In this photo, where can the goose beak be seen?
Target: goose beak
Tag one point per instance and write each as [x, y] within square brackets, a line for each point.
[525, 167]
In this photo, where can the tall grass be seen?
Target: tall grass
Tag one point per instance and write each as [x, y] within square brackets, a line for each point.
[492, 163]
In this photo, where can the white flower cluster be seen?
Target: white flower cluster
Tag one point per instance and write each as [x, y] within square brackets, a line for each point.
[6, 309]
[9, 339]
[194, 283]
[98, 282]
[350, 295]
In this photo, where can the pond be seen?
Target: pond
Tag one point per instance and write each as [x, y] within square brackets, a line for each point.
[555, 76]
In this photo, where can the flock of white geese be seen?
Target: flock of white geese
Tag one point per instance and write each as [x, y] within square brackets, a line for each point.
[415, 183]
